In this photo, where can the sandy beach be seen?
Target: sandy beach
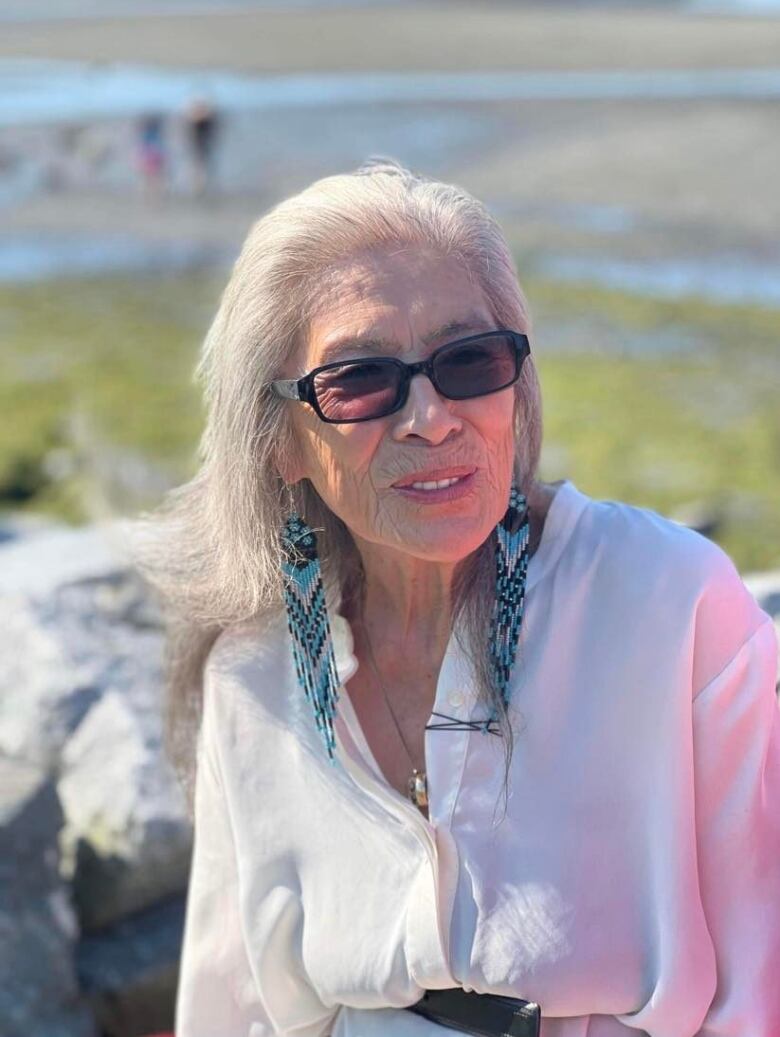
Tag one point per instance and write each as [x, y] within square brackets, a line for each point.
[435, 35]
[632, 179]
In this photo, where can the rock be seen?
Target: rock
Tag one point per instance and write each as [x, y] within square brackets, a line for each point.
[52, 557]
[39, 993]
[125, 843]
[130, 971]
[80, 696]
[71, 625]
[765, 588]
[80, 703]
[13, 526]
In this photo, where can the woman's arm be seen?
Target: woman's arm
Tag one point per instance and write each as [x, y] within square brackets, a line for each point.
[737, 788]
[226, 990]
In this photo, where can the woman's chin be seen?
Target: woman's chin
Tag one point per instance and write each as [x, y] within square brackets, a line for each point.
[451, 545]
[449, 533]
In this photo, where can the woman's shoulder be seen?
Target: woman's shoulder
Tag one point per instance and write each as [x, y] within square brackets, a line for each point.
[668, 566]
[249, 659]
[628, 536]
[256, 638]
[631, 537]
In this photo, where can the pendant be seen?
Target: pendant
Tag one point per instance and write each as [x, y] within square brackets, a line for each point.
[418, 788]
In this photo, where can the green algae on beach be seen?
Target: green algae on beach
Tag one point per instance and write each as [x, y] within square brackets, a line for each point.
[665, 404]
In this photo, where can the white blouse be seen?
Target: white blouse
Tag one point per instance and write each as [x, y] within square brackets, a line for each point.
[633, 883]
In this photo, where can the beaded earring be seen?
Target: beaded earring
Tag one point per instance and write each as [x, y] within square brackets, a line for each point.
[307, 621]
[512, 540]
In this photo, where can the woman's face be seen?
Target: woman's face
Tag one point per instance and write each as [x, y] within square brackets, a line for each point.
[413, 301]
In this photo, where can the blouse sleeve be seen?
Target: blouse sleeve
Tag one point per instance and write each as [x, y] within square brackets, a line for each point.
[223, 991]
[737, 790]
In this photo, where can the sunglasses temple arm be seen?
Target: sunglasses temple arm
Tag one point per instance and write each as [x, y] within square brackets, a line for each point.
[287, 388]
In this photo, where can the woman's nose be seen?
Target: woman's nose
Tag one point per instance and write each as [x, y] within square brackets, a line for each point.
[425, 414]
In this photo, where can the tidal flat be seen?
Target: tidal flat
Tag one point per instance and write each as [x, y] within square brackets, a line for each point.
[666, 404]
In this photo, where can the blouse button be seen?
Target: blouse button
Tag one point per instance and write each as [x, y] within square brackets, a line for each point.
[456, 698]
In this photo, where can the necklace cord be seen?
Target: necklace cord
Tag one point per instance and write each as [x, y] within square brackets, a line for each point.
[375, 668]
[417, 784]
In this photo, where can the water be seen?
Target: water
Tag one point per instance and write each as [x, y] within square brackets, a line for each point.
[36, 91]
[746, 7]
[719, 279]
[46, 256]
[605, 219]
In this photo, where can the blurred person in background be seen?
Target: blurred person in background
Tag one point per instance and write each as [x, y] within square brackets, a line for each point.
[202, 125]
[461, 746]
[152, 157]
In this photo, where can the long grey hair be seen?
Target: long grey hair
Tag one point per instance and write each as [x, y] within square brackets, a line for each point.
[212, 549]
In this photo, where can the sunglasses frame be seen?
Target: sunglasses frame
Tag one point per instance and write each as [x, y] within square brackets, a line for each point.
[302, 389]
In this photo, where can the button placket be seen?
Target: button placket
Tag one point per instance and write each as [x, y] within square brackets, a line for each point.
[427, 932]
[445, 757]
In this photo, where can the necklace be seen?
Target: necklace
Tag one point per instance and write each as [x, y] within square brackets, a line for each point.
[417, 785]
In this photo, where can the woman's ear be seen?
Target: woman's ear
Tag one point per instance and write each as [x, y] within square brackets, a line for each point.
[288, 461]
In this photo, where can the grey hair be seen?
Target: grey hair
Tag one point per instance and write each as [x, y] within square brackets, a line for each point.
[212, 549]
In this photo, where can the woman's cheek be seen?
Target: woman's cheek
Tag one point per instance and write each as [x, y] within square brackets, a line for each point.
[345, 484]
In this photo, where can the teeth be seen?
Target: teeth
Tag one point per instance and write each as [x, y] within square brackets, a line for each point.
[440, 485]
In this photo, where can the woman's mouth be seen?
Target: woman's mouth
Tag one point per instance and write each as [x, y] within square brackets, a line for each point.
[440, 485]
[438, 490]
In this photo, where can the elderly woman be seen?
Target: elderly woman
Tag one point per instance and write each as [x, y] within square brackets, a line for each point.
[470, 743]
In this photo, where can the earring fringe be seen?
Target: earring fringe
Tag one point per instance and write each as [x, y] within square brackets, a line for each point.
[512, 539]
[307, 621]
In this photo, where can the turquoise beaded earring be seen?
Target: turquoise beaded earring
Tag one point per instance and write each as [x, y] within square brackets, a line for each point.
[307, 621]
[512, 539]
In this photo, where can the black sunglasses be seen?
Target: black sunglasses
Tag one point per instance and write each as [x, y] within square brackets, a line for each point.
[348, 391]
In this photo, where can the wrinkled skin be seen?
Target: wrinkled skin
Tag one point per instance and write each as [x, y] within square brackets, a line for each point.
[404, 295]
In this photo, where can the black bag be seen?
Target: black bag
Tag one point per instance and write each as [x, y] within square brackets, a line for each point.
[489, 1015]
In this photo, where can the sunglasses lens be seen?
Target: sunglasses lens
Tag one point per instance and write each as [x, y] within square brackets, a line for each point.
[477, 367]
[357, 391]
